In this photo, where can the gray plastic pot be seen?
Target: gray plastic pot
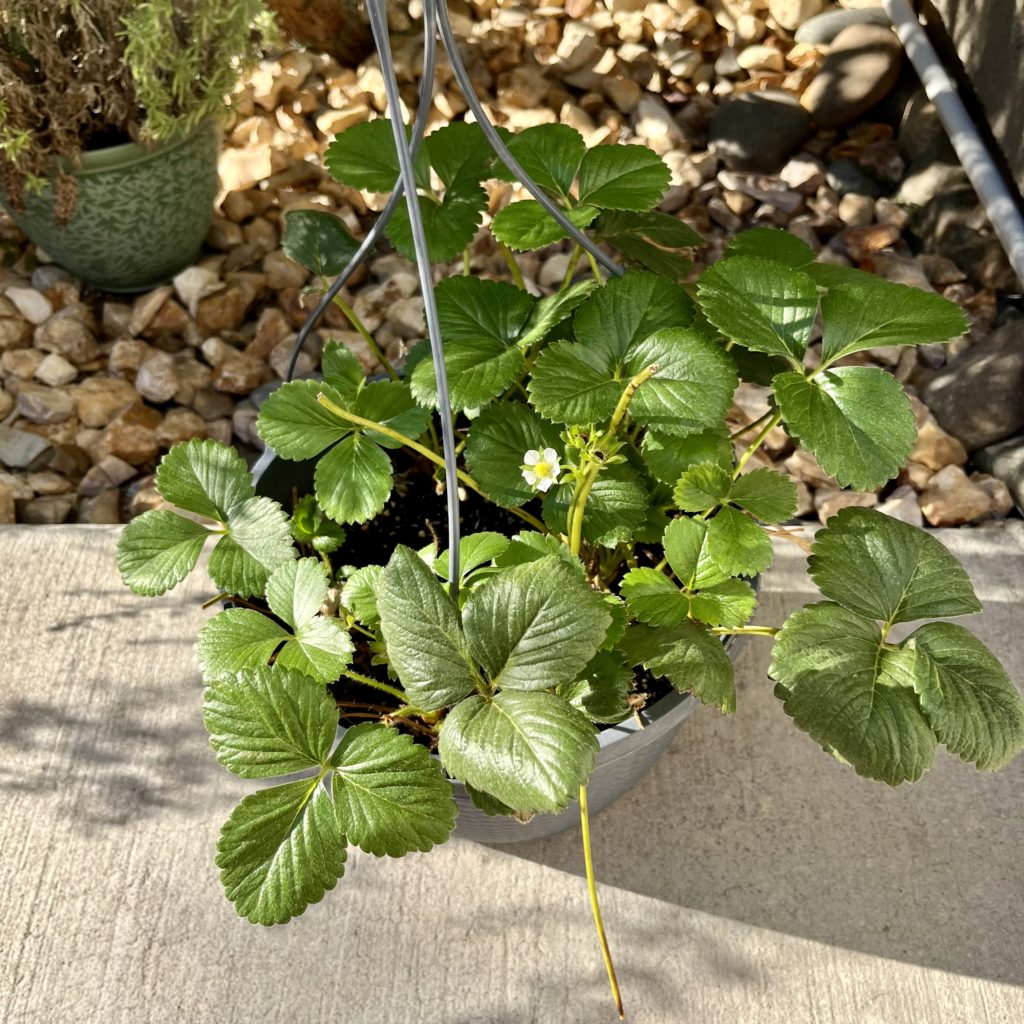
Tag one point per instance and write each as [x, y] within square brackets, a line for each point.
[627, 751]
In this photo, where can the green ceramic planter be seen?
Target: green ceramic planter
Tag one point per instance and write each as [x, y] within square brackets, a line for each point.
[142, 213]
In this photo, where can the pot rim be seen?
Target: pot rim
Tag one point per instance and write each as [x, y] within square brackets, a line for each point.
[130, 154]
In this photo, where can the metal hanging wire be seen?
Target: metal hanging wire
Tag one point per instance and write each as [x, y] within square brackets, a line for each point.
[435, 20]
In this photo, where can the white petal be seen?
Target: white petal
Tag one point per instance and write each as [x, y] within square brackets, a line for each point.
[532, 457]
[545, 483]
[550, 455]
[530, 477]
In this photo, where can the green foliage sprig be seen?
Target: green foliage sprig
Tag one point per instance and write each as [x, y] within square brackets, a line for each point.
[597, 416]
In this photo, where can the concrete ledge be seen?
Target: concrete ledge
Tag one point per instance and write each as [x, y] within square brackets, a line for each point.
[748, 880]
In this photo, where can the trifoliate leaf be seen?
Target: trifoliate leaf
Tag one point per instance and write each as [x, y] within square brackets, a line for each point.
[855, 318]
[856, 420]
[204, 477]
[615, 510]
[737, 545]
[359, 595]
[773, 244]
[498, 439]
[237, 640]
[768, 495]
[888, 570]
[449, 225]
[475, 550]
[281, 850]
[829, 663]
[296, 425]
[551, 310]
[157, 550]
[653, 598]
[270, 722]
[257, 542]
[969, 700]
[668, 457]
[421, 628]
[353, 480]
[760, 304]
[532, 626]
[526, 225]
[364, 156]
[602, 690]
[550, 154]
[692, 659]
[342, 371]
[481, 323]
[654, 241]
[703, 486]
[622, 178]
[390, 403]
[530, 750]
[318, 241]
[391, 796]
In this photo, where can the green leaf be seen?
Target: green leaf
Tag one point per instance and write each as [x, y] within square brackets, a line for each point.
[575, 384]
[449, 225]
[616, 508]
[532, 626]
[551, 310]
[204, 477]
[390, 403]
[424, 638]
[258, 541]
[692, 659]
[342, 371]
[550, 154]
[668, 457]
[526, 225]
[157, 550]
[973, 707]
[359, 595]
[773, 244]
[622, 178]
[237, 640]
[602, 690]
[270, 722]
[296, 425]
[703, 486]
[653, 598]
[391, 795]
[321, 649]
[729, 604]
[686, 550]
[530, 750]
[856, 420]
[281, 850]
[353, 480]
[628, 310]
[311, 527]
[475, 550]
[498, 439]
[760, 304]
[768, 495]
[318, 241]
[737, 545]
[490, 805]
[857, 318]
[652, 240]
[364, 157]
[297, 590]
[481, 323]
[528, 547]
[829, 663]
[888, 570]
[460, 152]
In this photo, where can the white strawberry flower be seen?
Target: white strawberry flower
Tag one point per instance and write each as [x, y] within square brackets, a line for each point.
[541, 469]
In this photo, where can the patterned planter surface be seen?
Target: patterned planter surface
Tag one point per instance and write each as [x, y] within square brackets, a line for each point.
[142, 213]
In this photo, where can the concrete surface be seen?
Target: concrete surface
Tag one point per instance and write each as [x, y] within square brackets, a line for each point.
[748, 880]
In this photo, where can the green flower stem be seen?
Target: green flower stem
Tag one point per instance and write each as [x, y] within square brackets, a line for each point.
[585, 481]
[570, 270]
[750, 426]
[380, 428]
[513, 267]
[745, 631]
[595, 269]
[588, 860]
[757, 442]
[358, 324]
[358, 677]
[465, 262]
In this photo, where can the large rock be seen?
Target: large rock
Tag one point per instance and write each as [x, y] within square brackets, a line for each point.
[979, 396]
[1005, 461]
[861, 66]
[99, 399]
[823, 28]
[131, 436]
[67, 337]
[758, 131]
[40, 404]
[951, 499]
[21, 450]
